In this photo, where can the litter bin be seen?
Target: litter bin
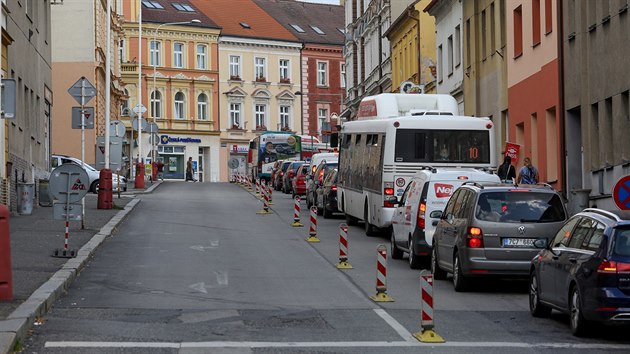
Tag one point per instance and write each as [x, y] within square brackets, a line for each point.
[45, 198]
[25, 198]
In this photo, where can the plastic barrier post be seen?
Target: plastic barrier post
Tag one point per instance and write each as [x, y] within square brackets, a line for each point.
[6, 273]
[381, 275]
[312, 232]
[296, 213]
[427, 334]
[343, 248]
[265, 201]
[270, 194]
[257, 187]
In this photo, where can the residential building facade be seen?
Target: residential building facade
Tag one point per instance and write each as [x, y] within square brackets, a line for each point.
[596, 98]
[483, 40]
[533, 86]
[179, 86]
[412, 40]
[26, 58]
[448, 22]
[259, 63]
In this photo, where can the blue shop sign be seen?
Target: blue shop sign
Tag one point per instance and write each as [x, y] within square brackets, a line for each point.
[165, 139]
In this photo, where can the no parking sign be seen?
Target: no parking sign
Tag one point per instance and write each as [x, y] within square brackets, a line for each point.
[621, 193]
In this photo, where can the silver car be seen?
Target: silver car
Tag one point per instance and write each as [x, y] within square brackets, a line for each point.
[93, 174]
[490, 230]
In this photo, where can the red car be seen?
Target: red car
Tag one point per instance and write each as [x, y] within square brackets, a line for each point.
[299, 182]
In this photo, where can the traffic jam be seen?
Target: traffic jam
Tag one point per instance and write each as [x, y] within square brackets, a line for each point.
[425, 180]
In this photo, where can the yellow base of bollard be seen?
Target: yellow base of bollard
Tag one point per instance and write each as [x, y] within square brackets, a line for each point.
[381, 297]
[263, 212]
[270, 203]
[312, 238]
[297, 224]
[429, 336]
[343, 265]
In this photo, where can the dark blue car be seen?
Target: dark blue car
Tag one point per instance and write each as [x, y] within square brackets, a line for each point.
[585, 271]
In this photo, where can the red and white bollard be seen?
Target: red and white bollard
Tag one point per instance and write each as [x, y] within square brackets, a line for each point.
[249, 183]
[426, 289]
[270, 194]
[258, 186]
[343, 248]
[263, 189]
[296, 213]
[312, 232]
[265, 201]
[381, 275]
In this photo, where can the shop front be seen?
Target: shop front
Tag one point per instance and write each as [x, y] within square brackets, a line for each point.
[176, 150]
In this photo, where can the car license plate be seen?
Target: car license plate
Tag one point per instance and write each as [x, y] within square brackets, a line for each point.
[518, 242]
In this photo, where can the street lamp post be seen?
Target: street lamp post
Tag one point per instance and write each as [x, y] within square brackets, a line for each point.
[152, 96]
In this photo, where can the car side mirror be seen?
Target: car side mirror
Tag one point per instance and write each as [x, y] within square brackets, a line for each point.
[540, 243]
[436, 214]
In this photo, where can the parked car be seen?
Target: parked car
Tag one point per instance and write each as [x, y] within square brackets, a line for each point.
[287, 179]
[298, 183]
[274, 171]
[277, 181]
[314, 182]
[327, 195]
[413, 222]
[94, 175]
[316, 159]
[490, 230]
[585, 271]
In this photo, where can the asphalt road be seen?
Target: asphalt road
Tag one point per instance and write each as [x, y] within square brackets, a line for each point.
[194, 269]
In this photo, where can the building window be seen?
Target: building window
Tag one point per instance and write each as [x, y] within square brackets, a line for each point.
[179, 105]
[201, 56]
[449, 55]
[178, 55]
[235, 115]
[285, 117]
[322, 73]
[318, 30]
[493, 29]
[548, 17]
[297, 28]
[518, 32]
[284, 71]
[122, 57]
[439, 63]
[202, 107]
[235, 67]
[156, 104]
[467, 41]
[342, 79]
[484, 34]
[457, 46]
[261, 123]
[259, 69]
[322, 116]
[154, 53]
[535, 22]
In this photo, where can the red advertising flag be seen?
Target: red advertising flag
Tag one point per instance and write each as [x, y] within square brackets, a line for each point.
[512, 150]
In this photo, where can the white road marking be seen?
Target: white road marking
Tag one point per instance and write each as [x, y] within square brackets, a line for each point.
[201, 287]
[400, 329]
[222, 278]
[359, 344]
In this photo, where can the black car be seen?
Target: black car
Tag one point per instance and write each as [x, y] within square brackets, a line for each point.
[327, 195]
[316, 180]
[585, 270]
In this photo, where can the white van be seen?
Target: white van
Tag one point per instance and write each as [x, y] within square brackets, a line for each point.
[428, 191]
[319, 157]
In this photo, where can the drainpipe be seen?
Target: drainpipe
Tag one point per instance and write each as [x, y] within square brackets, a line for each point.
[380, 54]
[561, 117]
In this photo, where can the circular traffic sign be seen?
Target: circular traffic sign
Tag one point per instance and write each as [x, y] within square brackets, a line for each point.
[134, 124]
[69, 181]
[152, 128]
[117, 128]
[233, 163]
[621, 193]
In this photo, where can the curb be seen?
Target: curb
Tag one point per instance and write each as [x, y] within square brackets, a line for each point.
[17, 325]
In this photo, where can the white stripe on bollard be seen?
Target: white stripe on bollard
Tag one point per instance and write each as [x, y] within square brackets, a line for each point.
[381, 275]
[312, 232]
[296, 213]
[426, 293]
[343, 247]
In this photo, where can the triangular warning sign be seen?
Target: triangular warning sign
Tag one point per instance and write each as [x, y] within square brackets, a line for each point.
[102, 148]
[78, 185]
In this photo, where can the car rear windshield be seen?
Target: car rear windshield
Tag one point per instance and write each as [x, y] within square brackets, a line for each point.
[295, 166]
[520, 207]
[621, 243]
[285, 166]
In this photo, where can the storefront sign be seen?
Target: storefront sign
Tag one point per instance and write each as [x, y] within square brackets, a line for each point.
[240, 149]
[165, 139]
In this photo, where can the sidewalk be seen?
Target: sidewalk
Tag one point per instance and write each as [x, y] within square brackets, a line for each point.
[38, 278]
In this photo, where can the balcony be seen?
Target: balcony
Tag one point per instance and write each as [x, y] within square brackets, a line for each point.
[129, 68]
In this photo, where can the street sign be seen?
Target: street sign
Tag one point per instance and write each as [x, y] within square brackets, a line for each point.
[117, 129]
[115, 152]
[152, 128]
[233, 163]
[7, 110]
[89, 117]
[69, 183]
[83, 88]
[139, 109]
[134, 124]
[73, 211]
[621, 193]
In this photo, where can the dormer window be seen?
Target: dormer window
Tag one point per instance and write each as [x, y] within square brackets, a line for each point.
[150, 4]
[183, 7]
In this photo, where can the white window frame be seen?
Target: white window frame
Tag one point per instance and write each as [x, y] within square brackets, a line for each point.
[179, 111]
[284, 116]
[235, 115]
[155, 53]
[202, 107]
[156, 104]
[122, 52]
[260, 113]
[202, 57]
[235, 66]
[322, 73]
[284, 70]
[260, 67]
[322, 116]
[178, 55]
[342, 70]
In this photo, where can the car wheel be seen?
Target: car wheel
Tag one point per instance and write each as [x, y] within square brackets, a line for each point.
[397, 253]
[535, 307]
[579, 325]
[370, 230]
[438, 273]
[415, 262]
[94, 187]
[459, 281]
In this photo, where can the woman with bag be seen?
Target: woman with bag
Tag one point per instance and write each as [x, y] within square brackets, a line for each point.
[506, 171]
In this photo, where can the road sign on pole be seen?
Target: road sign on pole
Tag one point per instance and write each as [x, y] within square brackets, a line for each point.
[88, 112]
[82, 89]
[621, 193]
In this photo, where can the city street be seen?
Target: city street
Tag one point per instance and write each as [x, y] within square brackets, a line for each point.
[194, 269]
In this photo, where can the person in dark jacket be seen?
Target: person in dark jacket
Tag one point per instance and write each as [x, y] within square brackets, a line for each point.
[506, 171]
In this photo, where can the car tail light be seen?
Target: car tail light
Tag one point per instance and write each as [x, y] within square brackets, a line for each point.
[291, 174]
[474, 239]
[388, 191]
[422, 209]
[607, 267]
[321, 176]
[281, 174]
[333, 188]
[314, 168]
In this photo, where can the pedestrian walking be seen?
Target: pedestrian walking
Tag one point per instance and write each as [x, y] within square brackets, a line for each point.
[528, 173]
[189, 170]
[506, 171]
[160, 169]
